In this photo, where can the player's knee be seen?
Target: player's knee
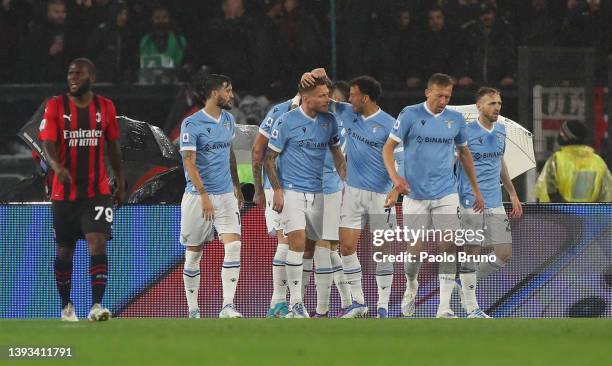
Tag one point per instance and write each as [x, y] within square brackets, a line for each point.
[347, 249]
[65, 251]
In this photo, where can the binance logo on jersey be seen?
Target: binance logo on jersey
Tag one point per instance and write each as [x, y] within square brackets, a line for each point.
[434, 140]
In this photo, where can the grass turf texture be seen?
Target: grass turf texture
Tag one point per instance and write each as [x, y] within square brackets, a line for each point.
[317, 341]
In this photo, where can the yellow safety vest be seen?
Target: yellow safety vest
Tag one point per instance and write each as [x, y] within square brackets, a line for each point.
[577, 174]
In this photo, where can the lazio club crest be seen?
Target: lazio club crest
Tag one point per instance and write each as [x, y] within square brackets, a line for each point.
[449, 123]
[375, 128]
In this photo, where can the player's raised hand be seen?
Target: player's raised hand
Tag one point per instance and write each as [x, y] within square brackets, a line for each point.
[392, 197]
[401, 185]
[63, 175]
[478, 203]
[239, 196]
[307, 79]
[517, 208]
[278, 201]
[259, 198]
[208, 211]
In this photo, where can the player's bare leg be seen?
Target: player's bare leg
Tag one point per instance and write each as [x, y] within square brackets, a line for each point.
[98, 272]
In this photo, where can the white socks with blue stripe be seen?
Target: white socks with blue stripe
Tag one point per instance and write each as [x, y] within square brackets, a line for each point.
[323, 277]
[230, 271]
[384, 280]
[279, 275]
[191, 278]
[352, 272]
[293, 266]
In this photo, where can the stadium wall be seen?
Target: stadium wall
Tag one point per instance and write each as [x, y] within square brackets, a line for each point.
[561, 266]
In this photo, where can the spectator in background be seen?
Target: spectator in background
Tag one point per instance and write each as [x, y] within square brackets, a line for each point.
[112, 47]
[539, 27]
[303, 46]
[461, 12]
[235, 45]
[11, 17]
[85, 16]
[438, 41]
[587, 24]
[162, 47]
[45, 53]
[401, 49]
[487, 51]
[574, 173]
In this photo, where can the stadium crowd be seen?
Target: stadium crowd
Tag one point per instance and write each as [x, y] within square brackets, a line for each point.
[263, 44]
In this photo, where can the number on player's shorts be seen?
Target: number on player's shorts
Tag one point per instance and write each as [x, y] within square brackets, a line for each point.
[107, 211]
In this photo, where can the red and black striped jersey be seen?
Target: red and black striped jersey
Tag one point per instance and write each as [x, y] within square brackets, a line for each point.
[80, 135]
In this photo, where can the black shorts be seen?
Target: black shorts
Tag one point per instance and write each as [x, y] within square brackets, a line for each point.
[73, 219]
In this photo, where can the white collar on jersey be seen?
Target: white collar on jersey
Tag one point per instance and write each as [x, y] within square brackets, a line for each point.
[307, 116]
[430, 112]
[372, 115]
[211, 117]
[484, 128]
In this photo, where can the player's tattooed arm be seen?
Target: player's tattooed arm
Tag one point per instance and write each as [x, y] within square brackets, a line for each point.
[234, 168]
[339, 161]
[189, 161]
[60, 171]
[236, 178]
[270, 166]
[257, 156]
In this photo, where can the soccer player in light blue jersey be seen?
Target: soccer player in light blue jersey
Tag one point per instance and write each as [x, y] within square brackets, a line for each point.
[487, 142]
[263, 198]
[299, 140]
[366, 128]
[430, 133]
[212, 196]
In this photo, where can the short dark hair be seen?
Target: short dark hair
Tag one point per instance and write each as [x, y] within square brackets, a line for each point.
[317, 81]
[368, 86]
[436, 8]
[56, 2]
[440, 80]
[343, 86]
[87, 63]
[214, 82]
[485, 90]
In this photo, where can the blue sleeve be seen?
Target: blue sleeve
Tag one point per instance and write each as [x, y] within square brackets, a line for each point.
[189, 135]
[401, 127]
[462, 137]
[265, 128]
[278, 136]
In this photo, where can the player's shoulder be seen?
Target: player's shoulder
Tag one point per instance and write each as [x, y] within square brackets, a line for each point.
[451, 113]
[500, 127]
[193, 119]
[55, 101]
[104, 99]
[385, 118]
[411, 110]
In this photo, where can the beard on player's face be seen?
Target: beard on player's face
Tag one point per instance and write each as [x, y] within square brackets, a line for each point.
[82, 90]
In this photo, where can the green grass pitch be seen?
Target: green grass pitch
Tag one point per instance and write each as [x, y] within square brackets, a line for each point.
[313, 342]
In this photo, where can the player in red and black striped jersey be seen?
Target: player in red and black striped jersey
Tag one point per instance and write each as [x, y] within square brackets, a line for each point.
[75, 130]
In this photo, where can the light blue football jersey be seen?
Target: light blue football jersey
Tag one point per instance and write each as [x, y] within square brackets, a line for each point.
[265, 128]
[429, 146]
[364, 140]
[211, 139]
[303, 143]
[487, 149]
